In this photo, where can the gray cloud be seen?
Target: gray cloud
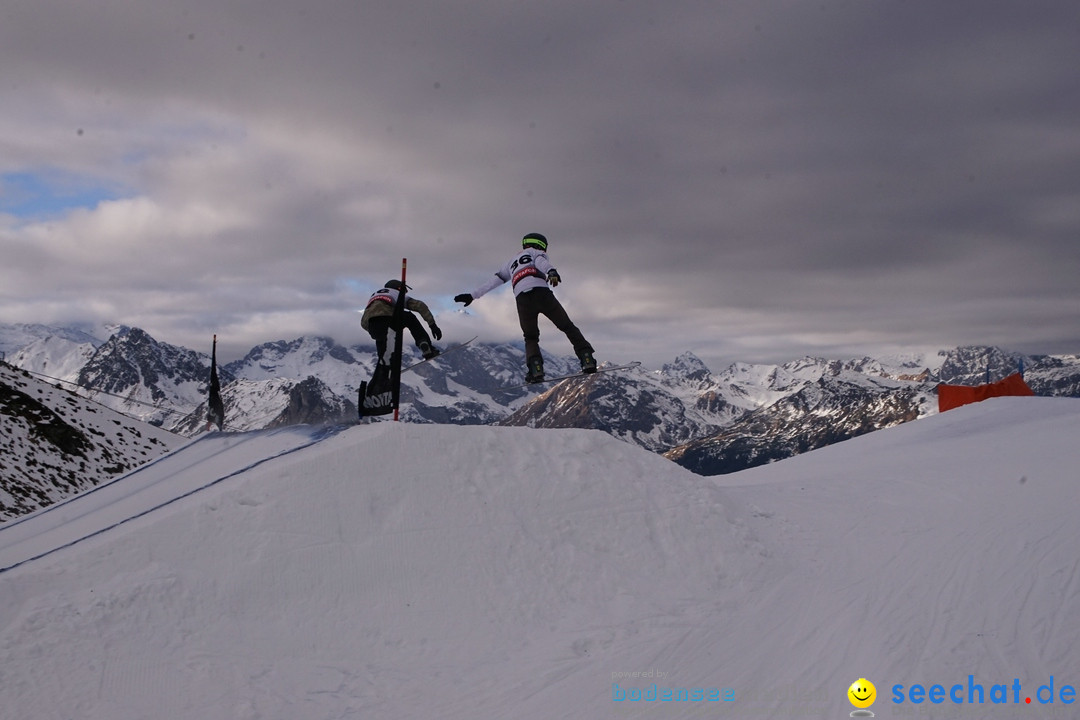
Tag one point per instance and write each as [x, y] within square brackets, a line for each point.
[749, 180]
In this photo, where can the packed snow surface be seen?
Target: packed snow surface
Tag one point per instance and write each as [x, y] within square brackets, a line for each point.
[419, 571]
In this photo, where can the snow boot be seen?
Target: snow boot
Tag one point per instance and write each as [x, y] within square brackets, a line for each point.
[429, 350]
[536, 369]
[588, 362]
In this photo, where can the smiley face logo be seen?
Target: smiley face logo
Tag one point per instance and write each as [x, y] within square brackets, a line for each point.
[862, 693]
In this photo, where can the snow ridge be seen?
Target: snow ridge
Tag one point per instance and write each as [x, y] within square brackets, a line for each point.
[395, 570]
[113, 504]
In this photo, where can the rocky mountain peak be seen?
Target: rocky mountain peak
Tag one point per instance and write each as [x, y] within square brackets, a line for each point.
[687, 367]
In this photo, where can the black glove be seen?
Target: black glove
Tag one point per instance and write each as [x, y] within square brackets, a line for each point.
[435, 331]
[553, 277]
[464, 298]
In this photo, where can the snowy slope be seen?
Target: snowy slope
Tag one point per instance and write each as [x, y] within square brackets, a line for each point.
[55, 357]
[54, 443]
[923, 554]
[336, 365]
[202, 463]
[418, 571]
[15, 337]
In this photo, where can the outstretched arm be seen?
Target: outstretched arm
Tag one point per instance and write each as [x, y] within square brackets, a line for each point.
[495, 281]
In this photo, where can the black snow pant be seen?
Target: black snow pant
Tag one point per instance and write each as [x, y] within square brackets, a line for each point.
[379, 327]
[531, 304]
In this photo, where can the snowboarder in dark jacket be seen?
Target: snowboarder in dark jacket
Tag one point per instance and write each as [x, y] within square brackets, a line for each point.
[530, 272]
[378, 319]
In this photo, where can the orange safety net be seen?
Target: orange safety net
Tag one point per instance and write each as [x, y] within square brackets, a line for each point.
[953, 396]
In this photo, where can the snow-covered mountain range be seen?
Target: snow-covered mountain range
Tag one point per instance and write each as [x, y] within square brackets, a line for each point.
[712, 423]
[750, 415]
[306, 380]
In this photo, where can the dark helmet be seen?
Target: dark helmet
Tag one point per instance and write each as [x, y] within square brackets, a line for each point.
[534, 240]
[395, 285]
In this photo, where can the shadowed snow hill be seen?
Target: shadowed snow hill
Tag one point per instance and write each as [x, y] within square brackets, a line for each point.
[416, 571]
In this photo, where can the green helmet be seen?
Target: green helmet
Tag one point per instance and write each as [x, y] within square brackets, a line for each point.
[534, 240]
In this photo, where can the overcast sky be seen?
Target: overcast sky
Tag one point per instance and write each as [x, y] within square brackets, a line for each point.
[751, 180]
